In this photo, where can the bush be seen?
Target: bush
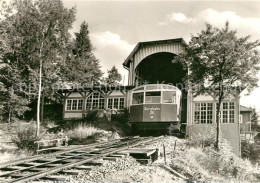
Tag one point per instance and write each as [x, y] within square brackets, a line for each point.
[203, 160]
[123, 129]
[26, 136]
[250, 151]
[205, 139]
[92, 116]
[122, 118]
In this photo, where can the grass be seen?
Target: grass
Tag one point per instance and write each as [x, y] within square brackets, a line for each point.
[83, 131]
[85, 134]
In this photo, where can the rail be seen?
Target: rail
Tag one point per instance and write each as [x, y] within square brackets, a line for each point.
[43, 165]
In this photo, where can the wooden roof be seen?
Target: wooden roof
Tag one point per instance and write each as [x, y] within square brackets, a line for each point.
[143, 44]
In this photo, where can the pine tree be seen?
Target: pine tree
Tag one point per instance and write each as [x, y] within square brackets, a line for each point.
[114, 77]
[82, 66]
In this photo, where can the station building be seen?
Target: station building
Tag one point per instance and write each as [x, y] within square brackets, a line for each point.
[153, 63]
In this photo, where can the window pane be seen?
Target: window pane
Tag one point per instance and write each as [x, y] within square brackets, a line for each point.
[197, 117]
[231, 105]
[231, 116]
[95, 104]
[138, 98]
[169, 97]
[69, 105]
[122, 103]
[74, 104]
[153, 87]
[95, 95]
[101, 103]
[168, 87]
[203, 113]
[80, 104]
[225, 116]
[225, 105]
[115, 103]
[203, 116]
[210, 106]
[203, 106]
[209, 117]
[197, 106]
[153, 97]
[89, 102]
[110, 103]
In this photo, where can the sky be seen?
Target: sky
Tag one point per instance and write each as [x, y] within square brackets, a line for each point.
[117, 26]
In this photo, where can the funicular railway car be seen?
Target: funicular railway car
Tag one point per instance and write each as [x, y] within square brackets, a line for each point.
[154, 108]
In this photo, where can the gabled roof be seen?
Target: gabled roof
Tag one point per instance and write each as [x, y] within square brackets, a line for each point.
[142, 44]
[245, 109]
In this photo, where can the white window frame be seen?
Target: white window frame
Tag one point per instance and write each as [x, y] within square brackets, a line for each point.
[71, 107]
[206, 111]
[228, 110]
[118, 105]
[100, 97]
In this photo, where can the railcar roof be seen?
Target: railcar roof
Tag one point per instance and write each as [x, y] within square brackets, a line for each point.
[156, 87]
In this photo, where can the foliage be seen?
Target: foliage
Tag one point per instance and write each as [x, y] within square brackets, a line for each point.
[204, 139]
[13, 106]
[13, 100]
[35, 40]
[122, 118]
[81, 65]
[211, 164]
[37, 31]
[114, 77]
[218, 60]
[250, 151]
[200, 159]
[92, 116]
[255, 125]
[26, 136]
[122, 128]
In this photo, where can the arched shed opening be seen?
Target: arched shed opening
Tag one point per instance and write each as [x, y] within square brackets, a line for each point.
[160, 68]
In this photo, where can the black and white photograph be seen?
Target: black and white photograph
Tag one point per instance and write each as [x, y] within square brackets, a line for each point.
[129, 91]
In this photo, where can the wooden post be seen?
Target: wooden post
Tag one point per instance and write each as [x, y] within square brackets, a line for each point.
[164, 154]
[175, 143]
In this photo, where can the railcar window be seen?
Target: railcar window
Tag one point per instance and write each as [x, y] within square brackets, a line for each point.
[153, 97]
[138, 98]
[169, 97]
[168, 87]
[153, 87]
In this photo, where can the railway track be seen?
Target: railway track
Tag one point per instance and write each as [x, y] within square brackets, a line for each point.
[41, 166]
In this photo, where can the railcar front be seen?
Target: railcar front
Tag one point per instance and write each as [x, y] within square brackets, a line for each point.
[154, 107]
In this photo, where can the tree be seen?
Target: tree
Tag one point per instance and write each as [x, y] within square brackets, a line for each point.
[37, 35]
[219, 60]
[255, 121]
[13, 100]
[81, 64]
[114, 77]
